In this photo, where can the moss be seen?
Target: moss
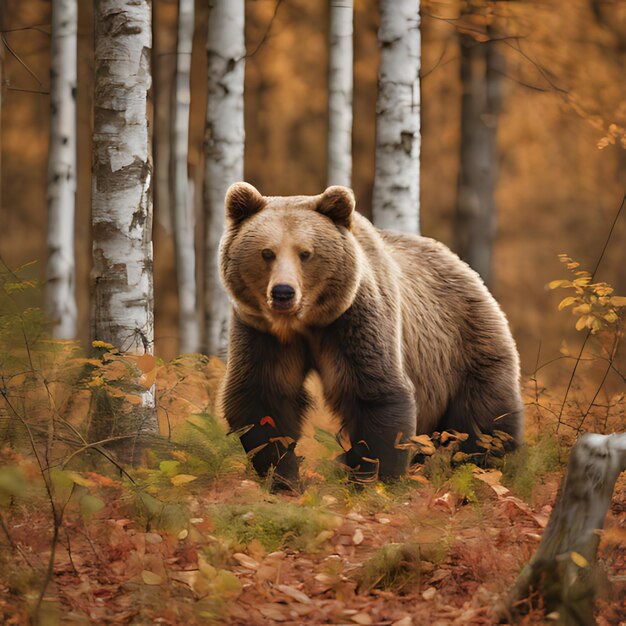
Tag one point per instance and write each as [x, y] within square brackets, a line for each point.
[463, 483]
[274, 526]
[530, 463]
[395, 567]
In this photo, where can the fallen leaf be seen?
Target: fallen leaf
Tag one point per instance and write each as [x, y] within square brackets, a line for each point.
[272, 611]
[579, 559]
[294, 593]
[358, 537]
[492, 478]
[429, 594]
[362, 618]
[182, 479]
[245, 561]
[439, 574]
[150, 578]
[446, 502]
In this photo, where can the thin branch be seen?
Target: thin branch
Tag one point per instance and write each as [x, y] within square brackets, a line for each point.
[606, 243]
[36, 27]
[616, 342]
[571, 378]
[41, 92]
[266, 34]
[17, 58]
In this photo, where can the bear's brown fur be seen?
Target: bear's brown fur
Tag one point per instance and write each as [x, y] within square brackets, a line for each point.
[405, 336]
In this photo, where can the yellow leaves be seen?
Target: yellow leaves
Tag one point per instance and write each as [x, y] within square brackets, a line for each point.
[102, 344]
[555, 284]
[595, 307]
[579, 559]
[208, 580]
[19, 285]
[182, 479]
[567, 302]
[589, 321]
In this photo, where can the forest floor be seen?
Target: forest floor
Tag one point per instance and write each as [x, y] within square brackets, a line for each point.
[195, 538]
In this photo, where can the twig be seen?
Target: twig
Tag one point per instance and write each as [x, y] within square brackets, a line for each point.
[606, 243]
[266, 34]
[17, 58]
[616, 342]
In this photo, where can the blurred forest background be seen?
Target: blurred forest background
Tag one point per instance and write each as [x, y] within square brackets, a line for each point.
[560, 137]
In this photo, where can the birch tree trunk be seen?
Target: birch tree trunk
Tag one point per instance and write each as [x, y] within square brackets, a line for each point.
[340, 81]
[224, 149]
[183, 210]
[395, 203]
[121, 201]
[60, 270]
[562, 570]
[475, 219]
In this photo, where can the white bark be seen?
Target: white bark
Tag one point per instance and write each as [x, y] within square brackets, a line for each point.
[224, 150]
[60, 270]
[395, 203]
[188, 327]
[122, 170]
[340, 81]
[565, 580]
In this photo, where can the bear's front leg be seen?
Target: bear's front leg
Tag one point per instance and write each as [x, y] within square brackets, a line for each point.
[264, 398]
[379, 425]
[361, 368]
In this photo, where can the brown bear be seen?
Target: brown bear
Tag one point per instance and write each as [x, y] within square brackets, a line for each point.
[405, 337]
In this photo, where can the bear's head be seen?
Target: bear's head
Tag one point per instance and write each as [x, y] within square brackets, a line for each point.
[289, 262]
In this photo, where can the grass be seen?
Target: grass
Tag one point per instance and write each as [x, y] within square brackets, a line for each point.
[395, 567]
[529, 464]
[273, 526]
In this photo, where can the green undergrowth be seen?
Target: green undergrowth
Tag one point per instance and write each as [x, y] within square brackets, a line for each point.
[397, 567]
[529, 465]
[296, 526]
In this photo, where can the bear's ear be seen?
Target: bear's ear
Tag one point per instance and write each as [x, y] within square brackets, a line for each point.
[242, 201]
[337, 203]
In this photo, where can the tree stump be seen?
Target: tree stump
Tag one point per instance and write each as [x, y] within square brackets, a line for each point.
[562, 571]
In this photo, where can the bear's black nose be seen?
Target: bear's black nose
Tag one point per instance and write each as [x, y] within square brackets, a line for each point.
[283, 293]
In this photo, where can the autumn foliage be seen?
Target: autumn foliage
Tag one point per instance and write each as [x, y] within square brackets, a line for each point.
[191, 535]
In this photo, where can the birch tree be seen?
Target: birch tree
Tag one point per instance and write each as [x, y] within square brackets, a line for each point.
[224, 149]
[121, 202]
[340, 82]
[475, 217]
[395, 203]
[60, 270]
[181, 200]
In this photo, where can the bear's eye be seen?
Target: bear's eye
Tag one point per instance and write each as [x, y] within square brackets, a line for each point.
[305, 255]
[267, 254]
